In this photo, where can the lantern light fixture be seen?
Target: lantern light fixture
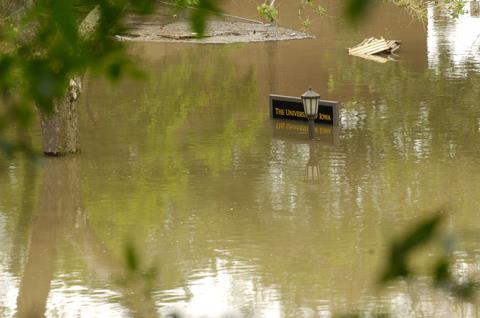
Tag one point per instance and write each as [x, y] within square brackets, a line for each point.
[310, 100]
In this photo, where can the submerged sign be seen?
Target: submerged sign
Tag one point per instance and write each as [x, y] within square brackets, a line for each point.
[291, 108]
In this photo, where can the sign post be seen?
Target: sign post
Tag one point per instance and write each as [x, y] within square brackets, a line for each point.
[291, 108]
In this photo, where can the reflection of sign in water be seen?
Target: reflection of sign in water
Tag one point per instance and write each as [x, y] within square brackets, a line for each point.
[291, 108]
[295, 131]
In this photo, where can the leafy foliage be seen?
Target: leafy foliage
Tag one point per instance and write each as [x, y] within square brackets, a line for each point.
[267, 12]
[456, 7]
[199, 16]
[401, 251]
[45, 44]
[136, 271]
[356, 9]
[307, 6]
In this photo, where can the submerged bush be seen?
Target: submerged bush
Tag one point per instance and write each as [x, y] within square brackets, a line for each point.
[267, 12]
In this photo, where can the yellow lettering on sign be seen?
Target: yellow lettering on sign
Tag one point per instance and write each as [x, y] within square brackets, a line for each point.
[299, 114]
[295, 113]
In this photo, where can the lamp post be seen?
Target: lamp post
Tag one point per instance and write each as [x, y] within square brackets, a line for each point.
[310, 101]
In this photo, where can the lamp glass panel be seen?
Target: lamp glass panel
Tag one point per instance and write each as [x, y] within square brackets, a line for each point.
[315, 106]
[310, 106]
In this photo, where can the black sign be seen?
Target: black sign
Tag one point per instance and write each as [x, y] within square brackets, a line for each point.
[291, 108]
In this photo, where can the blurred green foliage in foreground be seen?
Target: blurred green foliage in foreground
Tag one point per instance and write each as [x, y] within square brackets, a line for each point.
[403, 249]
[44, 44]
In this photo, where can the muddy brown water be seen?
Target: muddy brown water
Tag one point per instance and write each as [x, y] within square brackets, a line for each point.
[188, 167]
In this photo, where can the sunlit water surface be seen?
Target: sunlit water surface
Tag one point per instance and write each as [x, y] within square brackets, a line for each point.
[188, 168]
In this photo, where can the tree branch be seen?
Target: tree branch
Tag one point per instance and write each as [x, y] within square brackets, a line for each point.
[88, 25]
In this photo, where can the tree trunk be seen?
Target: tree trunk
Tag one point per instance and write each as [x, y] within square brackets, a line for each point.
[61, 128]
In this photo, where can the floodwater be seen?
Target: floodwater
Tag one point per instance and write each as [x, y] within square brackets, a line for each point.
[187, 169]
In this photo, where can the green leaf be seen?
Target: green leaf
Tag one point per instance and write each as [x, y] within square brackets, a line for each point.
[421, 233]
[143, 6]
[199, 15]
[64, 17]
[5, 65]
[267, 12]
[355, 9]
[131, 258]
[23, 114]
[441, 271]
[115, 70]
[401, 249]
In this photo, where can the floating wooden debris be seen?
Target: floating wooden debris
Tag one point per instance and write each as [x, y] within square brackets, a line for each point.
[378, 50]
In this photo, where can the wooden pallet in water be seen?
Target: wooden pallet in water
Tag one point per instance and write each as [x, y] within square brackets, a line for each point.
[373, 46]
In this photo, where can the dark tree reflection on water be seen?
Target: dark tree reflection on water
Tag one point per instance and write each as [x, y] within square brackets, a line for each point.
[62, 218]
